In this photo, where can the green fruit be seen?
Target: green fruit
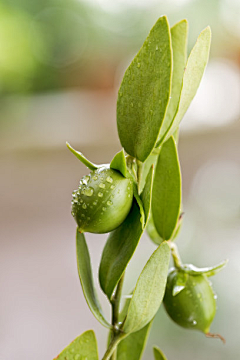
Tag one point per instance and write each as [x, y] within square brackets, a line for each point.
[102, 201]
[193, 306]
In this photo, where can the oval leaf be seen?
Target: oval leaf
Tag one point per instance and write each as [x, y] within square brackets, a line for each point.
[83, 347]
[166, 200]
[144, 93]
[133, 345]
[119, 249]
[86, 279]
[158, 354]
[193, 73]
[149, 290]
[208, 271]
[179, 34]
[119, 163]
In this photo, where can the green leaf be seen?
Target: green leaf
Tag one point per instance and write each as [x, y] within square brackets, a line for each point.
[133, 345]
[208, 271]
[144, 93]
[86, 279]
[158, 354]
[119, 249]
[195, 67]
[166, 200]
[83, 347]
[82, 158]
[146, 195]
[119, 163]
[179, 34]
[152, 232]
[149, 290]
[151, 161]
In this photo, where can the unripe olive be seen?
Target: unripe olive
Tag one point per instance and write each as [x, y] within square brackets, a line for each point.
[193, 307]
[102, 201]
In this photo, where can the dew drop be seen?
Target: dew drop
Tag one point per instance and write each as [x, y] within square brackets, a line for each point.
[194, 322]
[81, 200]
[86, 179]
[157, 47]
[129, 195]
[100, 194]
[94, 203]
[95, 177]
[84, 206]
[120, 94]
[112, 196]
[138, 65]
[104, 209]
[109, 179]
[109, 203]
[102, 186]
[88, 191]
[215, 296]
[112, 187]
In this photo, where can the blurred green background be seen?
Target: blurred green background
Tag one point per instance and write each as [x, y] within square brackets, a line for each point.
[61, 63]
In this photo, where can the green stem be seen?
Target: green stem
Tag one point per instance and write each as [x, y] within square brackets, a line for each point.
[139, 173]
[82, 158]
[176, 257]
[115, 312]
[113, 345]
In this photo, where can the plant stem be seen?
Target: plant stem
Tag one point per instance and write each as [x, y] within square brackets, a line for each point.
[176, 257]
[115, 312]
[139, 173]
[113, 345]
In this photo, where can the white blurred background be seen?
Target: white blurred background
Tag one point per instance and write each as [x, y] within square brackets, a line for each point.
[61, 63]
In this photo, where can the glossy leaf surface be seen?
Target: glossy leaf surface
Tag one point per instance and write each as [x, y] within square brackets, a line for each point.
[119, 163]
[149, 290]
[133, 345]
[119, 249]
[144, 93]
[158, 354]
[193, 73]
[86, 279]
[179, 34]
[166, 200]
[83, 347]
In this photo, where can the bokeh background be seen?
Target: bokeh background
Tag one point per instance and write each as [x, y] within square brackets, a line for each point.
[61, 63]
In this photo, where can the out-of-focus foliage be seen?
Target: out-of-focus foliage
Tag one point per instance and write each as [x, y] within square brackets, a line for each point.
[52, 44]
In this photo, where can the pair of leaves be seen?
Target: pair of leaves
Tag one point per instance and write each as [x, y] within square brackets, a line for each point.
[83, 347]
[159, 86]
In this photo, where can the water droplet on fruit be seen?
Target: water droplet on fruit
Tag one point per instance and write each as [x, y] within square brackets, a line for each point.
[129, 195]
[88, 191]
[81, 200]
[157, 47]
[109, 203]
[112, 187]
[94, 203]
[109, 179]
[120, 94]
[138, 65]
[102, 186]
[215, 296]
[100, 194]
[85, 179]
[104, 209]
[84, 206]
[194, 322]
[95, 177]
